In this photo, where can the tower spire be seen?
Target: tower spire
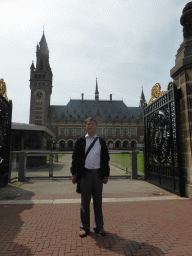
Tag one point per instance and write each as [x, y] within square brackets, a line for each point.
[43, 45]
[96, 92]
[142, 99]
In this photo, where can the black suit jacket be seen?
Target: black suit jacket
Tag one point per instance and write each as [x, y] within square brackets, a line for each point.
[78, 158]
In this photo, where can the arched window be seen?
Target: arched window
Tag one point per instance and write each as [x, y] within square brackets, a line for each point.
[70, 144]
[125, 144]
[110, 144]
[117, 144]
[133, 144]
[61, 144]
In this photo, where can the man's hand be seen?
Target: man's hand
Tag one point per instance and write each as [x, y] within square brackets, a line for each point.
[105, 180]
[73, 178]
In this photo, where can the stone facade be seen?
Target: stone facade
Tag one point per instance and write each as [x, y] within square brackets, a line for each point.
[182, 75]
[121, 126]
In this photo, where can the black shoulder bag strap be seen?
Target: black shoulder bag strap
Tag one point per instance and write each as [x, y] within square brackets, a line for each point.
[90, 147]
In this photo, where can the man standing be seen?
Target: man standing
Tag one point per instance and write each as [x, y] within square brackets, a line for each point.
[93, 172]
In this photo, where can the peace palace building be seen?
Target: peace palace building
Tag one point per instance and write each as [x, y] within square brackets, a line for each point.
[121, 126]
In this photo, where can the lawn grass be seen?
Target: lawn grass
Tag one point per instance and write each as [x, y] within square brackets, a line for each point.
[117, 159]
[47, 157]
[140, 163]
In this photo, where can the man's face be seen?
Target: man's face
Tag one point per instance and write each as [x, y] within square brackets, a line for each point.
[91, 127]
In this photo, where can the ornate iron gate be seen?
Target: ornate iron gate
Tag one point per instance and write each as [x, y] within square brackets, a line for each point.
[5, 130]
[162, 158]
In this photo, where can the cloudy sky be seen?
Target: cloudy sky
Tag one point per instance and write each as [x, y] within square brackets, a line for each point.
[126, 44]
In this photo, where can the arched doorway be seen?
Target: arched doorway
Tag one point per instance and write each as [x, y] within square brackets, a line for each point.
[61, 144]
[70, 144]
[133, 144]
[118, 144]
[110, 144]
[125, 144]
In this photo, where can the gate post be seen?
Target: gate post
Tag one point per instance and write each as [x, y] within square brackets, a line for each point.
[11, 158]
[182, 75]
[5, 128]
[51, 165]
[134, 165]
[22, 166]
[56, 157]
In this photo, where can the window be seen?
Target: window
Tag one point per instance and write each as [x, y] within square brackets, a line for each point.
[38, 117]
[41, 64]
[38, 122]
[78, 131]
[39, 103]
[110, 131]
[38, 112]
[118, 132]
[70, 131]
[38, 108]
[125, 131]
[99, 131]
[133, 131]
[104, 131]
[62, 131]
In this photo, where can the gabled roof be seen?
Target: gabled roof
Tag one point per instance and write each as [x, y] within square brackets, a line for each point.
[81, 109]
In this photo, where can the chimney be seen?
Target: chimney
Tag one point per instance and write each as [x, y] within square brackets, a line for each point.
[82, 95]
[110, 97]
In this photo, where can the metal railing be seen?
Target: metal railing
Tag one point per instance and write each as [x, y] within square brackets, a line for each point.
[51, 164]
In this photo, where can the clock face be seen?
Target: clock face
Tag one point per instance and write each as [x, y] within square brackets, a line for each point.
[39, 95]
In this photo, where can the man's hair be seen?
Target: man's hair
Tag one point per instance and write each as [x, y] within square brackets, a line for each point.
[89, 119]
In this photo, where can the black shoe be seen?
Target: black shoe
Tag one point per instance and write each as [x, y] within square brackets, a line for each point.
[83, 233]
[101, 232]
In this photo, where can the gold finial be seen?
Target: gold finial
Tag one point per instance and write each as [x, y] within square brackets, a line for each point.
[3, 89]
[156, 92]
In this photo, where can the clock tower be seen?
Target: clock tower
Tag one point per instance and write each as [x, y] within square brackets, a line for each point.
[40, 85]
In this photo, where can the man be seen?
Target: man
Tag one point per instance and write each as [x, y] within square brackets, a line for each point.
[93, 172]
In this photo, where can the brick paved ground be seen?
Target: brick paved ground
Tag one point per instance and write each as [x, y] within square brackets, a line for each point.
[133, 228]
[157, 223]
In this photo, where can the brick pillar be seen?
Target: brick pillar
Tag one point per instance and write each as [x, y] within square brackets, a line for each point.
[182, 75]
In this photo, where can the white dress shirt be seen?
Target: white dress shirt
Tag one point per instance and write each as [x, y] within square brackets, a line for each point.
[93, 158]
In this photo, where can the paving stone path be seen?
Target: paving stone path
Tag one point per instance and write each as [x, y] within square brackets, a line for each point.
[42, 217]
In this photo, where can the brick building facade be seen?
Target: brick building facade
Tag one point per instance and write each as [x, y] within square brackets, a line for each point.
[121, 126]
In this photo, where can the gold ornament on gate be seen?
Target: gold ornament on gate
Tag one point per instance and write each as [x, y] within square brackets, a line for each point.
[3, 89]
[156, 92]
